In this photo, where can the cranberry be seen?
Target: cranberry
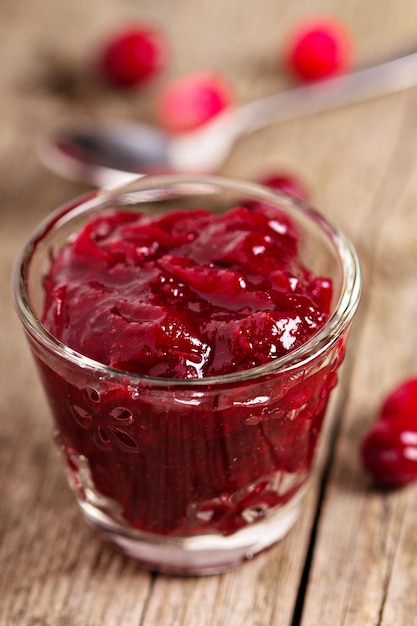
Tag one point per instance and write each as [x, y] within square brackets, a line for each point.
[389, 448]
[389, 451]
[287, 184]
[132, 56]
[193, 100]
[318, 49]
[402, 400]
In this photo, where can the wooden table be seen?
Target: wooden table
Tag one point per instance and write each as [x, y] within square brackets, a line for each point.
[352, 558]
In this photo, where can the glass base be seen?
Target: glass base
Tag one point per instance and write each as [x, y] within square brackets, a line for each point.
[199, 554]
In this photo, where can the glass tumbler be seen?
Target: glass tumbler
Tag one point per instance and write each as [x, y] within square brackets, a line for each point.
[189, 476]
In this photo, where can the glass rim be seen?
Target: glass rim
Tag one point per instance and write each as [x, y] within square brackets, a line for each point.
[339, 319]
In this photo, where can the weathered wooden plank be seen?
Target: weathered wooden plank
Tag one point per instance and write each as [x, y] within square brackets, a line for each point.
[364, 556]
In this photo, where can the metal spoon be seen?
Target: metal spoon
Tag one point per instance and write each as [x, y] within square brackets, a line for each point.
[112, 153]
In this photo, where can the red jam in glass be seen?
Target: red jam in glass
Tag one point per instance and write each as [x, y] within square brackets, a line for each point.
[188, 295]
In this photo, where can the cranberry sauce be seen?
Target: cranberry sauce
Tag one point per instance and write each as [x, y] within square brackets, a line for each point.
[188, 295]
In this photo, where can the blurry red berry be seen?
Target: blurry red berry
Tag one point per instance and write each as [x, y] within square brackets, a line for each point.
[389, 448]
[401, 401]
[389, 451]
[132, 56]
[287, 184]
[319, 49]
[193, 100]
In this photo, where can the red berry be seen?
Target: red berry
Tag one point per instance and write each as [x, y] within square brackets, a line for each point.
[403, 400]
[389, 448]
[318, 49]
[287, 184]
[132, 56]
[193, 100]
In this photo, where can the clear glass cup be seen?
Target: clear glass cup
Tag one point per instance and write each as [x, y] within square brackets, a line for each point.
[189, 476]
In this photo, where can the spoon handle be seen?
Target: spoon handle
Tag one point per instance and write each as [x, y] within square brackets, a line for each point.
[395, 75]
[205, 148]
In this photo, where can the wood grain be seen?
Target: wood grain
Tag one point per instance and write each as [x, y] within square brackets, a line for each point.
[351, 560]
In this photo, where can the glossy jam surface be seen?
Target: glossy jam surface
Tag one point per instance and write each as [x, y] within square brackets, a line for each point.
[188, 295]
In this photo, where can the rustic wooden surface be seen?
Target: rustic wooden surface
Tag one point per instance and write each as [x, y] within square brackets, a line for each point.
[351, 560]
